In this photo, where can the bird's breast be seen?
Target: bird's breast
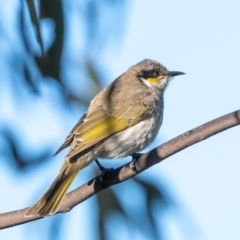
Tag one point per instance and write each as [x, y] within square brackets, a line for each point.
[132, 139]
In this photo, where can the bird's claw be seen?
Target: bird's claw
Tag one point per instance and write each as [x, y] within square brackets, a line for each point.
[103, 170]
[101, 176]
[135, 157]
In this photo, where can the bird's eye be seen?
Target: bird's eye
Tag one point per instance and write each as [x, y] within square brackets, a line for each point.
[156, 73]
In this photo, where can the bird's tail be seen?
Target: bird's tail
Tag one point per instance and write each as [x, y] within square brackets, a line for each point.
[49, 202]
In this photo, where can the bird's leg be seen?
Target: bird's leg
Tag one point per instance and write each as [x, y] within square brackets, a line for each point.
[102, 169]
[99, 165]
[135, 157]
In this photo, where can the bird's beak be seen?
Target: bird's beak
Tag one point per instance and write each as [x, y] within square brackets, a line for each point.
[175, 73]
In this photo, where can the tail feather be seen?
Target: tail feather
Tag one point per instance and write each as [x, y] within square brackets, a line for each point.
[50, 201]
[58, 196]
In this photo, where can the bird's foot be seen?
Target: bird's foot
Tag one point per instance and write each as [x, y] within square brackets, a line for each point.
[103, 170]
[135, 157]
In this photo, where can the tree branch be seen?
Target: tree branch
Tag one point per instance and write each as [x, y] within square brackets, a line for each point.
[125, 172]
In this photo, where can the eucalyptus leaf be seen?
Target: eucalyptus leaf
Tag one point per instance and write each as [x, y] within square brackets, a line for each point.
[35, 21]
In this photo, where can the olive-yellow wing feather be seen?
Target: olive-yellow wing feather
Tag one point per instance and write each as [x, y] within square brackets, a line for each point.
[98, 126]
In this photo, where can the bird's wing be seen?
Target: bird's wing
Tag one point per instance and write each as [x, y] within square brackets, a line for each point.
[99, 125]
[70, 136]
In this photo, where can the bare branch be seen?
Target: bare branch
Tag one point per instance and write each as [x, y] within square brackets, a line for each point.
[124, 172]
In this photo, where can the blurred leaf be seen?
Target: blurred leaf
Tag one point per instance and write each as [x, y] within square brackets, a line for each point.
[93, 74]
[29, 79]
[26, 68]
[49, 64]
[76, 99]
[154, 194]
[22, 29]
[34, 18]
[23, 160]
[107, 203]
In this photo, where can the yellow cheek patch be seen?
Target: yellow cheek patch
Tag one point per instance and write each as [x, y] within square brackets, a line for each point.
[154, 80]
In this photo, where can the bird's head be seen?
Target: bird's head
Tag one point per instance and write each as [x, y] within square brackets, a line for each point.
[153, 74]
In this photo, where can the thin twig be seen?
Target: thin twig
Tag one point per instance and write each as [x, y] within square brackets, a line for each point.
[125, 172]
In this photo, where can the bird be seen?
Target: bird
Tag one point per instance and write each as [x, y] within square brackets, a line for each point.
[121, 120]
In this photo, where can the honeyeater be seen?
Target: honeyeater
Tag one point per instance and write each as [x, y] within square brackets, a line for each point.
[121, 120]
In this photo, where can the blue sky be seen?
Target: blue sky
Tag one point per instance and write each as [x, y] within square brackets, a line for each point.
[200, 38]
